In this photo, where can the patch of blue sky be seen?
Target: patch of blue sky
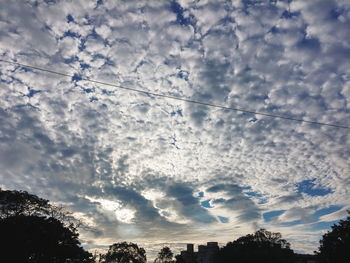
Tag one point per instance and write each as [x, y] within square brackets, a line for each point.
[109, 62]
[308, 187]
[89, 19]
[274, 30]
[223, 219]
[292, 223]
[84, 65]
[82, 44]
[89, 90]
[179, 11]
[24, 69]
[32, 92]
[47, 27]
[92, 99]
[206, 204]
[76, 77]
[178, 112]
[99, 2]
[255, 195]
[326, 211]
[183, 74]
[253, 119]
[262, 201]
[70, 60]
[98, 56]
[70, 34]
[174, 141]
[287, 14]
[93, 34]
[201, 194]
[107, 92]
[269, 216]
[308, 44]
[335, 13]
[69, 18]
[323, 225]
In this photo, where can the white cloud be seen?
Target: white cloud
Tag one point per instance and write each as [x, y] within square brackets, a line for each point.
[63, 139]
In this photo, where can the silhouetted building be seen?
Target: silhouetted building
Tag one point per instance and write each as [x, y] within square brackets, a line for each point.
[205, 253]
[190, 248]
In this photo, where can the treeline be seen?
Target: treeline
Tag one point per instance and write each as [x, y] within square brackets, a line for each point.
[35, 231]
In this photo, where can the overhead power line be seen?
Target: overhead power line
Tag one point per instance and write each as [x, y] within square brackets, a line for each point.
[178, 98]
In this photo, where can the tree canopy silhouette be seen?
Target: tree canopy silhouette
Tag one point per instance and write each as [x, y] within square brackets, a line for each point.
[40, 240]
[165, 256]
[124, 253]
[335, 244]
[15, 203]
[30, 234]
[262, 246]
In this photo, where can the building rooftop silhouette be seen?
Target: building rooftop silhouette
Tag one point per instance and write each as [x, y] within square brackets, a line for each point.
[205, 253]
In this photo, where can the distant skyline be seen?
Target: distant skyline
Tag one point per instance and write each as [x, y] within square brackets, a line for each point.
[158, 172]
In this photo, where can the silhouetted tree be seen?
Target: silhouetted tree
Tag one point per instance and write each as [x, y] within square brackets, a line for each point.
[262, 246]
[165, 256]
[335, 244]
[36, 239]
[34, 231]
[125, 253]
[98, 257]
[15, 203]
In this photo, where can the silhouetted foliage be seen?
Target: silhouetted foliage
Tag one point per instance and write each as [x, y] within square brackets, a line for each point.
[165, 256]
[36, 239]
[262, 246]
[34, 231]
[124, 253]
[15, 203]
[335, 244]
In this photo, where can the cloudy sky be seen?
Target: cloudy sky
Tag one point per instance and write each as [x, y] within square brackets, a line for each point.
[152, 170]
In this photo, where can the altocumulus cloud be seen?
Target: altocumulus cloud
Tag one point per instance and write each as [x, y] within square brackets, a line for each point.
[155, 171]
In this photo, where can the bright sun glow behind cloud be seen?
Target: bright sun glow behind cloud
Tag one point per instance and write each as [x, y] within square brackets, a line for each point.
[125, 215]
